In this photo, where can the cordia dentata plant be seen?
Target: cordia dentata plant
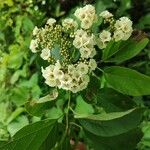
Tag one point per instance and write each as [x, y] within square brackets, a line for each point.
[91, 91]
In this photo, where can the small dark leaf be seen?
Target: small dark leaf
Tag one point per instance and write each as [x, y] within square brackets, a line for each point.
[113, 101]
[126, 141]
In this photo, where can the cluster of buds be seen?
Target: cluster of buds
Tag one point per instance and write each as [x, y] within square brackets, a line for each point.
[70, 47]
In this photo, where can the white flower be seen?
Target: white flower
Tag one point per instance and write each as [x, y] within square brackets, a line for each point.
[45, 54]
[77, 42]
[78, 13]
[80, 33]
[34, 45]
[119, 25]
[88, 41]
[75, 89]
[51, 82]
[126, 20]
[123, 29]
[47, 71]
[35, 30]
[124, 24]
[82, 68]
[118, 35]
[86, 23]
[86, 15]
[105, 36]
[66, 78]
[85, 79]
[126, 36]
[85, 52]
[51, 21]
[69, 23]
[89, 9]
[58, 65]
[74, 82]
[101, 44]
[76, 75]
[71, 69]
[58, 83]
[83, 86]
[127, 28]
[92, 64]
[93, 53]
[58, 74]
[106, 14]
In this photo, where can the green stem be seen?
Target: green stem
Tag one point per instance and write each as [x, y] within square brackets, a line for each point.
[67, 119]
[95, 76]
[100, 70]
[73, 123]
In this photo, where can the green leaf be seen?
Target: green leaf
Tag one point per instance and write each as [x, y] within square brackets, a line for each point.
[82, 107]
[127, 81]
[14, 114]
[110, 50]
[144, 22]
[27, 25]
[113, 101]
[125, 141]
[54, 113]
[65, 145]
[38, 108]
[15, 57]
[31, 136]
[111, 124]
[129, 50]
[4, 113]
[20, 95]
[17, 124]
[51, 140]
[96, 25]
[17, 74]
[100, 6]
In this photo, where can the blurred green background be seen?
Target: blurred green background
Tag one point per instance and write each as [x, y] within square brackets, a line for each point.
[20, 77]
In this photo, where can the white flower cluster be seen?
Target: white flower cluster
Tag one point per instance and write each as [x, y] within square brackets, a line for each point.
[69, 23]
[75, 79]
[122, 29]
[86, 15]
[85, 43]
[70, 47]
